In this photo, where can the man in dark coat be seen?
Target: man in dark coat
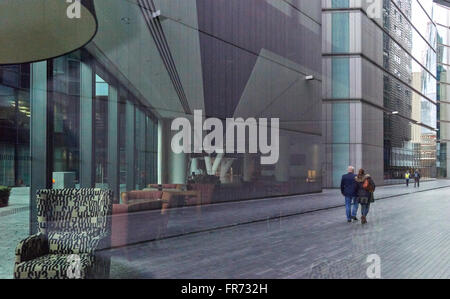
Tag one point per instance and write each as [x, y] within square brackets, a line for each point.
[417, 177]
[348, 190]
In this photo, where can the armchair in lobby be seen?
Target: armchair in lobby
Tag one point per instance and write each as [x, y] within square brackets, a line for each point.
[74, 224]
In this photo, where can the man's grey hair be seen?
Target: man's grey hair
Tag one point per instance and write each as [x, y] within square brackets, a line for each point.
[351, 169]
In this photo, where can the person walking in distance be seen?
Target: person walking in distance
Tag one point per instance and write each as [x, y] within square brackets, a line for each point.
[348, 190]
[365, 193]
[417, 178]
[407, 177]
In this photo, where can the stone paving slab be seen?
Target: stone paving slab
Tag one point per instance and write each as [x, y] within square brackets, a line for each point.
[410, 234]
[13, 228]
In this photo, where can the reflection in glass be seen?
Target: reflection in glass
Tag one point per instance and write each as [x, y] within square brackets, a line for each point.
[101, 131]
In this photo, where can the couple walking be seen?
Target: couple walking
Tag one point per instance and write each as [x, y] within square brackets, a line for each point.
[357, 189]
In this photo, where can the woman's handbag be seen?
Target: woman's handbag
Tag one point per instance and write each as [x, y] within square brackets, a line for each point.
[371, 197]
[367, 200]
[364, 200]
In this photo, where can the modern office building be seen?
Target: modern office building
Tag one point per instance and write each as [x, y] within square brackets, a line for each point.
[103, 113]
[379, 100]
[379, 88]
[442, 19]
[341, 82]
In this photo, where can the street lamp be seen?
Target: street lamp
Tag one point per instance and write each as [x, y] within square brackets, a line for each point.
[35, 30]
[395, 112]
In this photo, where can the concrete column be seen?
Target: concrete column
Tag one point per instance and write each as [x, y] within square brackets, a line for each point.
[177, 163]
[177, 168]
[208, 165]
[217, 163]
[173, 167]
[130, 117]
[248, 168]
[86, 127]
[113, 143]
[140, 143]
[162, 152]
[283, 165]
[224, 168]
[39, 142]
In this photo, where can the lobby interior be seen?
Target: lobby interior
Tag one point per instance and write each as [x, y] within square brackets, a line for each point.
[100, 116]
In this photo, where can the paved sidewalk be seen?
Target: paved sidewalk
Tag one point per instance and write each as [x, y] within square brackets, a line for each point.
[410, 234]
[19, 200]
[14, 220]
[14, 228]
[192, 219]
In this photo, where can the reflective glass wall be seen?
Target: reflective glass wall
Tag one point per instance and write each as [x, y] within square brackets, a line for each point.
[380, 89]
[15, 125]
[410, 55]
[191, 59]
[104, 113]
[442, 19]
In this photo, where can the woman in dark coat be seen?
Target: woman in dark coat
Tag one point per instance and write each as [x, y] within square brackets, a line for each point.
[365, 189]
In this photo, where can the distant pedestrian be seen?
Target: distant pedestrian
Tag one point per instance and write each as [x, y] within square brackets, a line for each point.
[348, 190]
[407, 177]
[417, 177]
[365, 190]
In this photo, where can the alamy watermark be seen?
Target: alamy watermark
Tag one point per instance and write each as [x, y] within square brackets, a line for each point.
[374, 269]
[236, 138]
[374, 8]
[74, 9]
[74, 270]
[350, 267]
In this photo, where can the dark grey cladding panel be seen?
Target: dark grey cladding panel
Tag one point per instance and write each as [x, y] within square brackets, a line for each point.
[233, 33]
[443, 2]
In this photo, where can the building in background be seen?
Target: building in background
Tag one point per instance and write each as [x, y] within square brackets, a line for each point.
[442, 19]
[400, 152]
[379, 89]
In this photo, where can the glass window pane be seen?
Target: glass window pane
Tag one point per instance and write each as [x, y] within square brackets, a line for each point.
[340, 32]
[340, 78]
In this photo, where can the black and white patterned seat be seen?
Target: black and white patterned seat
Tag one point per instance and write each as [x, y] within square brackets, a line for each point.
[71, 221]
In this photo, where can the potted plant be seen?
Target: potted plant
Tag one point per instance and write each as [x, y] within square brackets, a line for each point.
[205, 184]
[4, 196]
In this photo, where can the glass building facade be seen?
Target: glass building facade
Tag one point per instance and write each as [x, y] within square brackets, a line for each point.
[380, 99]
[442, 19]
[15, 125]
[102, 115]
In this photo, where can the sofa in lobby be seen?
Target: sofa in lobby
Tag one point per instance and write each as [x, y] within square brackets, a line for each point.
[140, 217]
[74, 225]
[162, 187]
[143, 215]
[202, 196]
